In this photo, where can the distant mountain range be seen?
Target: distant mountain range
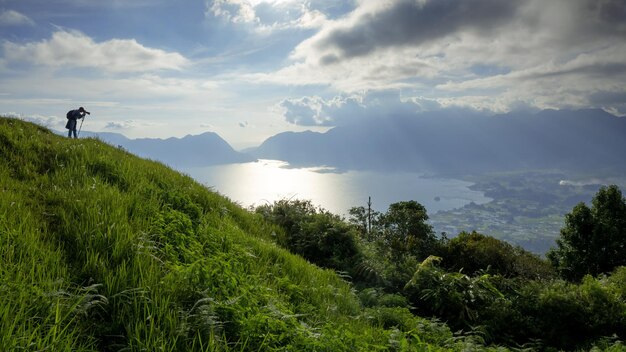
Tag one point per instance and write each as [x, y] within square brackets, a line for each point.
[200, 150]
[445, 142]
[438, 142]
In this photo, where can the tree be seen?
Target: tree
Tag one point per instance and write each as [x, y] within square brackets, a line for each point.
[406, 229]
[366, 221]
[593, 240]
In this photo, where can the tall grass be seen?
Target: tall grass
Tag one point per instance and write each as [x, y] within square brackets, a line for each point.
[101, 250]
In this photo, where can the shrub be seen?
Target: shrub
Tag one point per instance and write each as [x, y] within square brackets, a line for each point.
[567, 315]
[314, 233]
[474, 252]
[454, 297]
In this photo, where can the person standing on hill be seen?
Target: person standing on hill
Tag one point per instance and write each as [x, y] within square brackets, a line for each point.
[72, 120]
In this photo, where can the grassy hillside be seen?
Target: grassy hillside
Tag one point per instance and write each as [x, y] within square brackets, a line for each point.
[101, 250]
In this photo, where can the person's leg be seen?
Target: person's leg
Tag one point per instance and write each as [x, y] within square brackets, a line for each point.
[69, 133]
[74, 131]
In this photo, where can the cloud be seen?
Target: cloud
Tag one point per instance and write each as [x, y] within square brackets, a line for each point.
[304, 111]
[342, 109]
[110, 91]
[266, 16]
[586, 80]
[484, 54]
[379, 26]
[243, 124]
[236, 11]
[42, 120]
[120, 125]
[64, 4]
[74, 49]
[407, 22]
[14, 18]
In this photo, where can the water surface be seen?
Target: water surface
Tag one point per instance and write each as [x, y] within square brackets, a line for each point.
[266, 181]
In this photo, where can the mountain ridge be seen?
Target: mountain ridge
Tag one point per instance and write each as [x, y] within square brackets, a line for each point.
[444, 142]
[204, 149]
[453, 143]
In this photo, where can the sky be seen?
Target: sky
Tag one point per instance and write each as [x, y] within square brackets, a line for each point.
[249, 69]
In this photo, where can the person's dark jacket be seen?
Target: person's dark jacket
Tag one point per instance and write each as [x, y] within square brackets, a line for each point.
[73, 117]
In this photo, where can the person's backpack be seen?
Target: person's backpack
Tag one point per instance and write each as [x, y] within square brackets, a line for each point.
[69, 114]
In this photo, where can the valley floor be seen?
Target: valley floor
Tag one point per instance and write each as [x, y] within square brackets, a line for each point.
[527, 209]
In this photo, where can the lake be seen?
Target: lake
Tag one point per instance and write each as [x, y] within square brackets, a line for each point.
[266, 181]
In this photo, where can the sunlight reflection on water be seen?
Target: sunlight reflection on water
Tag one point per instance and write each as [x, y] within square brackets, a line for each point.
[266, 181]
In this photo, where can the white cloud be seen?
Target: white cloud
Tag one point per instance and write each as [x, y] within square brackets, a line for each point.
[310, 19]
[306, 111]
[342, 109]
[14, 18]
[236, 11]
[266, 16]
[587, 80]
[43, 120]
[141, 88]
[207, 125]
[74, 49]
[120, 125]
[480, 53]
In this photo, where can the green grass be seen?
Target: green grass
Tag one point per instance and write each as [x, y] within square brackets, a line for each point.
[104, 251]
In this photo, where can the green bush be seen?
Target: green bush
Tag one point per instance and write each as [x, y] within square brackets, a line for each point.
[454, 297]
[316, 234]
[473, 252]
[567, 315]
[371, 297]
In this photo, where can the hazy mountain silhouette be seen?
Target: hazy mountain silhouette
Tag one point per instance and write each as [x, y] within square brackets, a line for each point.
[199, 150]
[455, 142]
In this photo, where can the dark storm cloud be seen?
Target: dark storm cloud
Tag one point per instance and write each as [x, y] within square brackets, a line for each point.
[609, 11]
[604, 69]
[410, 22]
[598, 20]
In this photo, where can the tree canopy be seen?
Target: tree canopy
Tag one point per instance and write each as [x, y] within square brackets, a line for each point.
[593, 240]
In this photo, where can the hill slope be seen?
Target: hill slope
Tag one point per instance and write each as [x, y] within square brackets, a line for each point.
[104, 251]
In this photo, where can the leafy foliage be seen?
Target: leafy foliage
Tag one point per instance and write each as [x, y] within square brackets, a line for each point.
[568, 315]
[593, 240]
[316, 234]
[406, 231]
[495, 292]
[457, 298]
[474, 252]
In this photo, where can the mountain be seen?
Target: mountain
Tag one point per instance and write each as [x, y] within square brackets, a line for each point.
[457, 143]
[192, 150]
